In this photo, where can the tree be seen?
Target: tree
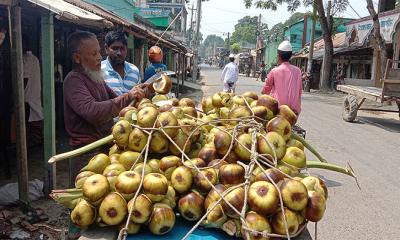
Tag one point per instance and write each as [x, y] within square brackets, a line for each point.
[325, 16]
[235, 47]
[211, 41]
[246, 30]
[378, 41]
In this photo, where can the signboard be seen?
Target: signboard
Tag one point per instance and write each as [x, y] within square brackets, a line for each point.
[358, 31]
[153, 12]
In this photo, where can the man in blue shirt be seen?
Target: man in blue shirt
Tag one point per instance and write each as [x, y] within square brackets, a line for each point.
[156, 65]
[120, 75]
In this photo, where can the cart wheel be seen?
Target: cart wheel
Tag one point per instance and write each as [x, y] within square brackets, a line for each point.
[350, 108]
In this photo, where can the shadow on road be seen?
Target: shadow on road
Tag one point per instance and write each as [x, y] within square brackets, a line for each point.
[390, 125]
[330, 183]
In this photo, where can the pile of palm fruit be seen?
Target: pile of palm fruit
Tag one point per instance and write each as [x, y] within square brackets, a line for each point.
[235, 164]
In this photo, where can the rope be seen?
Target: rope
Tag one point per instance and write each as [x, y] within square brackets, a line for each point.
[123, 233]
[315, 231]
[260, 160]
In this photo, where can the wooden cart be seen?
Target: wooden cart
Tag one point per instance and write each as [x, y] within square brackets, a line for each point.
[389, 93]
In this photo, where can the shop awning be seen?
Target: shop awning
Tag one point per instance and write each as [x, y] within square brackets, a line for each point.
[68, 12]
[133, 28]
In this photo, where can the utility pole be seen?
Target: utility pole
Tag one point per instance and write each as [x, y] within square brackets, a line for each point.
[191, 26]
[196, 42]
[258, 39]
[228, 40]
[311, 50]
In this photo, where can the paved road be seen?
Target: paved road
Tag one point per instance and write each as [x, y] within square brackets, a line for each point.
[371, 146]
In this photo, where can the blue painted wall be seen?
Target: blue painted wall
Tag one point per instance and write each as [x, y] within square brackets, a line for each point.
[294, 33]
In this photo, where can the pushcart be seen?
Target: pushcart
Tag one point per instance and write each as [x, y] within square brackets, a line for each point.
[389, 93]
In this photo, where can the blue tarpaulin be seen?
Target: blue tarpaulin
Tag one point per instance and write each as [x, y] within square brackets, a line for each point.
[179, 231]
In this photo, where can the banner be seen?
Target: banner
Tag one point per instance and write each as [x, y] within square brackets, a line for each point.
[358, 31]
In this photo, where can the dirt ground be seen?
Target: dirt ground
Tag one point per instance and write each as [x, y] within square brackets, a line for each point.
[14, 220]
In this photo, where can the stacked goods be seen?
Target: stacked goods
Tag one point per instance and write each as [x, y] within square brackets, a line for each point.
[234, 165]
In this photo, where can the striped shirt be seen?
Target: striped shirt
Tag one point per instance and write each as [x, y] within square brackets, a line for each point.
[118, 84]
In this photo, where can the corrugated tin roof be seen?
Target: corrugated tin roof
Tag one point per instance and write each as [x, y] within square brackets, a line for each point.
[339, 40]
[339, 44]
[137, 29]
[99, 11]
[70, 12]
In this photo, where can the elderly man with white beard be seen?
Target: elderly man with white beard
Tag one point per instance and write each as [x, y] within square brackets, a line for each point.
[89, 104]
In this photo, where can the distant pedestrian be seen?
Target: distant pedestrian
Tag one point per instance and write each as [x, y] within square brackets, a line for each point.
[284, 81]
[156, 65]
[263, 71]
[230, 75]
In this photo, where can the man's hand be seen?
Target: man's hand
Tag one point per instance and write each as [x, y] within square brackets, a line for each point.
[138, 92]
[148, 88]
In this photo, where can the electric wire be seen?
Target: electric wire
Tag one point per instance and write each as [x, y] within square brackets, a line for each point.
[354, 10]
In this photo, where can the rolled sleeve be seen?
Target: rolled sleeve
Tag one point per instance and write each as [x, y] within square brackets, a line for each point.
[268, 84]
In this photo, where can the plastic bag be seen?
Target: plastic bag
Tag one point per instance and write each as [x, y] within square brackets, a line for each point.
[9, 192]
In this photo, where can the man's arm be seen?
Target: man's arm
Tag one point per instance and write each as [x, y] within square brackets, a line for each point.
[85, 105]
[268, 84]
[236, 74]
[224, 73]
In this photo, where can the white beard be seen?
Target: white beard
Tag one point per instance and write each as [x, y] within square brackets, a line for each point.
[94, 75]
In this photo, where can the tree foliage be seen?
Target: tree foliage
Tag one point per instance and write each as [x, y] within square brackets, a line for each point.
[292, 5]
[246, 30]
[235, 48]
[211, 39]
[207, 48]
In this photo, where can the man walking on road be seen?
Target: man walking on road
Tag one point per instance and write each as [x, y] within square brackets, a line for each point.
[230, 75]
[284, 81]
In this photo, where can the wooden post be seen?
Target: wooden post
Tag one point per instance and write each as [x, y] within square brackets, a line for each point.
[169, 59]
[49, 129]
[184, 70]
[145, 54]
[178, 76]
[19, 103]
[131, 46]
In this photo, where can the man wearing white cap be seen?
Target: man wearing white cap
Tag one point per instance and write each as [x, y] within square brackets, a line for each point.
[284, 81]
[230, 75]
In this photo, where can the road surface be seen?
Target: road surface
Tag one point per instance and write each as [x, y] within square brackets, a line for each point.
[371, 146]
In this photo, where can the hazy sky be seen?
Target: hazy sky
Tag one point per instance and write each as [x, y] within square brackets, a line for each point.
[220, 16]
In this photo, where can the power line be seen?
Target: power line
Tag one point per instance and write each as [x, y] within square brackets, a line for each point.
[354, 10]
[222, 22]
[213, 28]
